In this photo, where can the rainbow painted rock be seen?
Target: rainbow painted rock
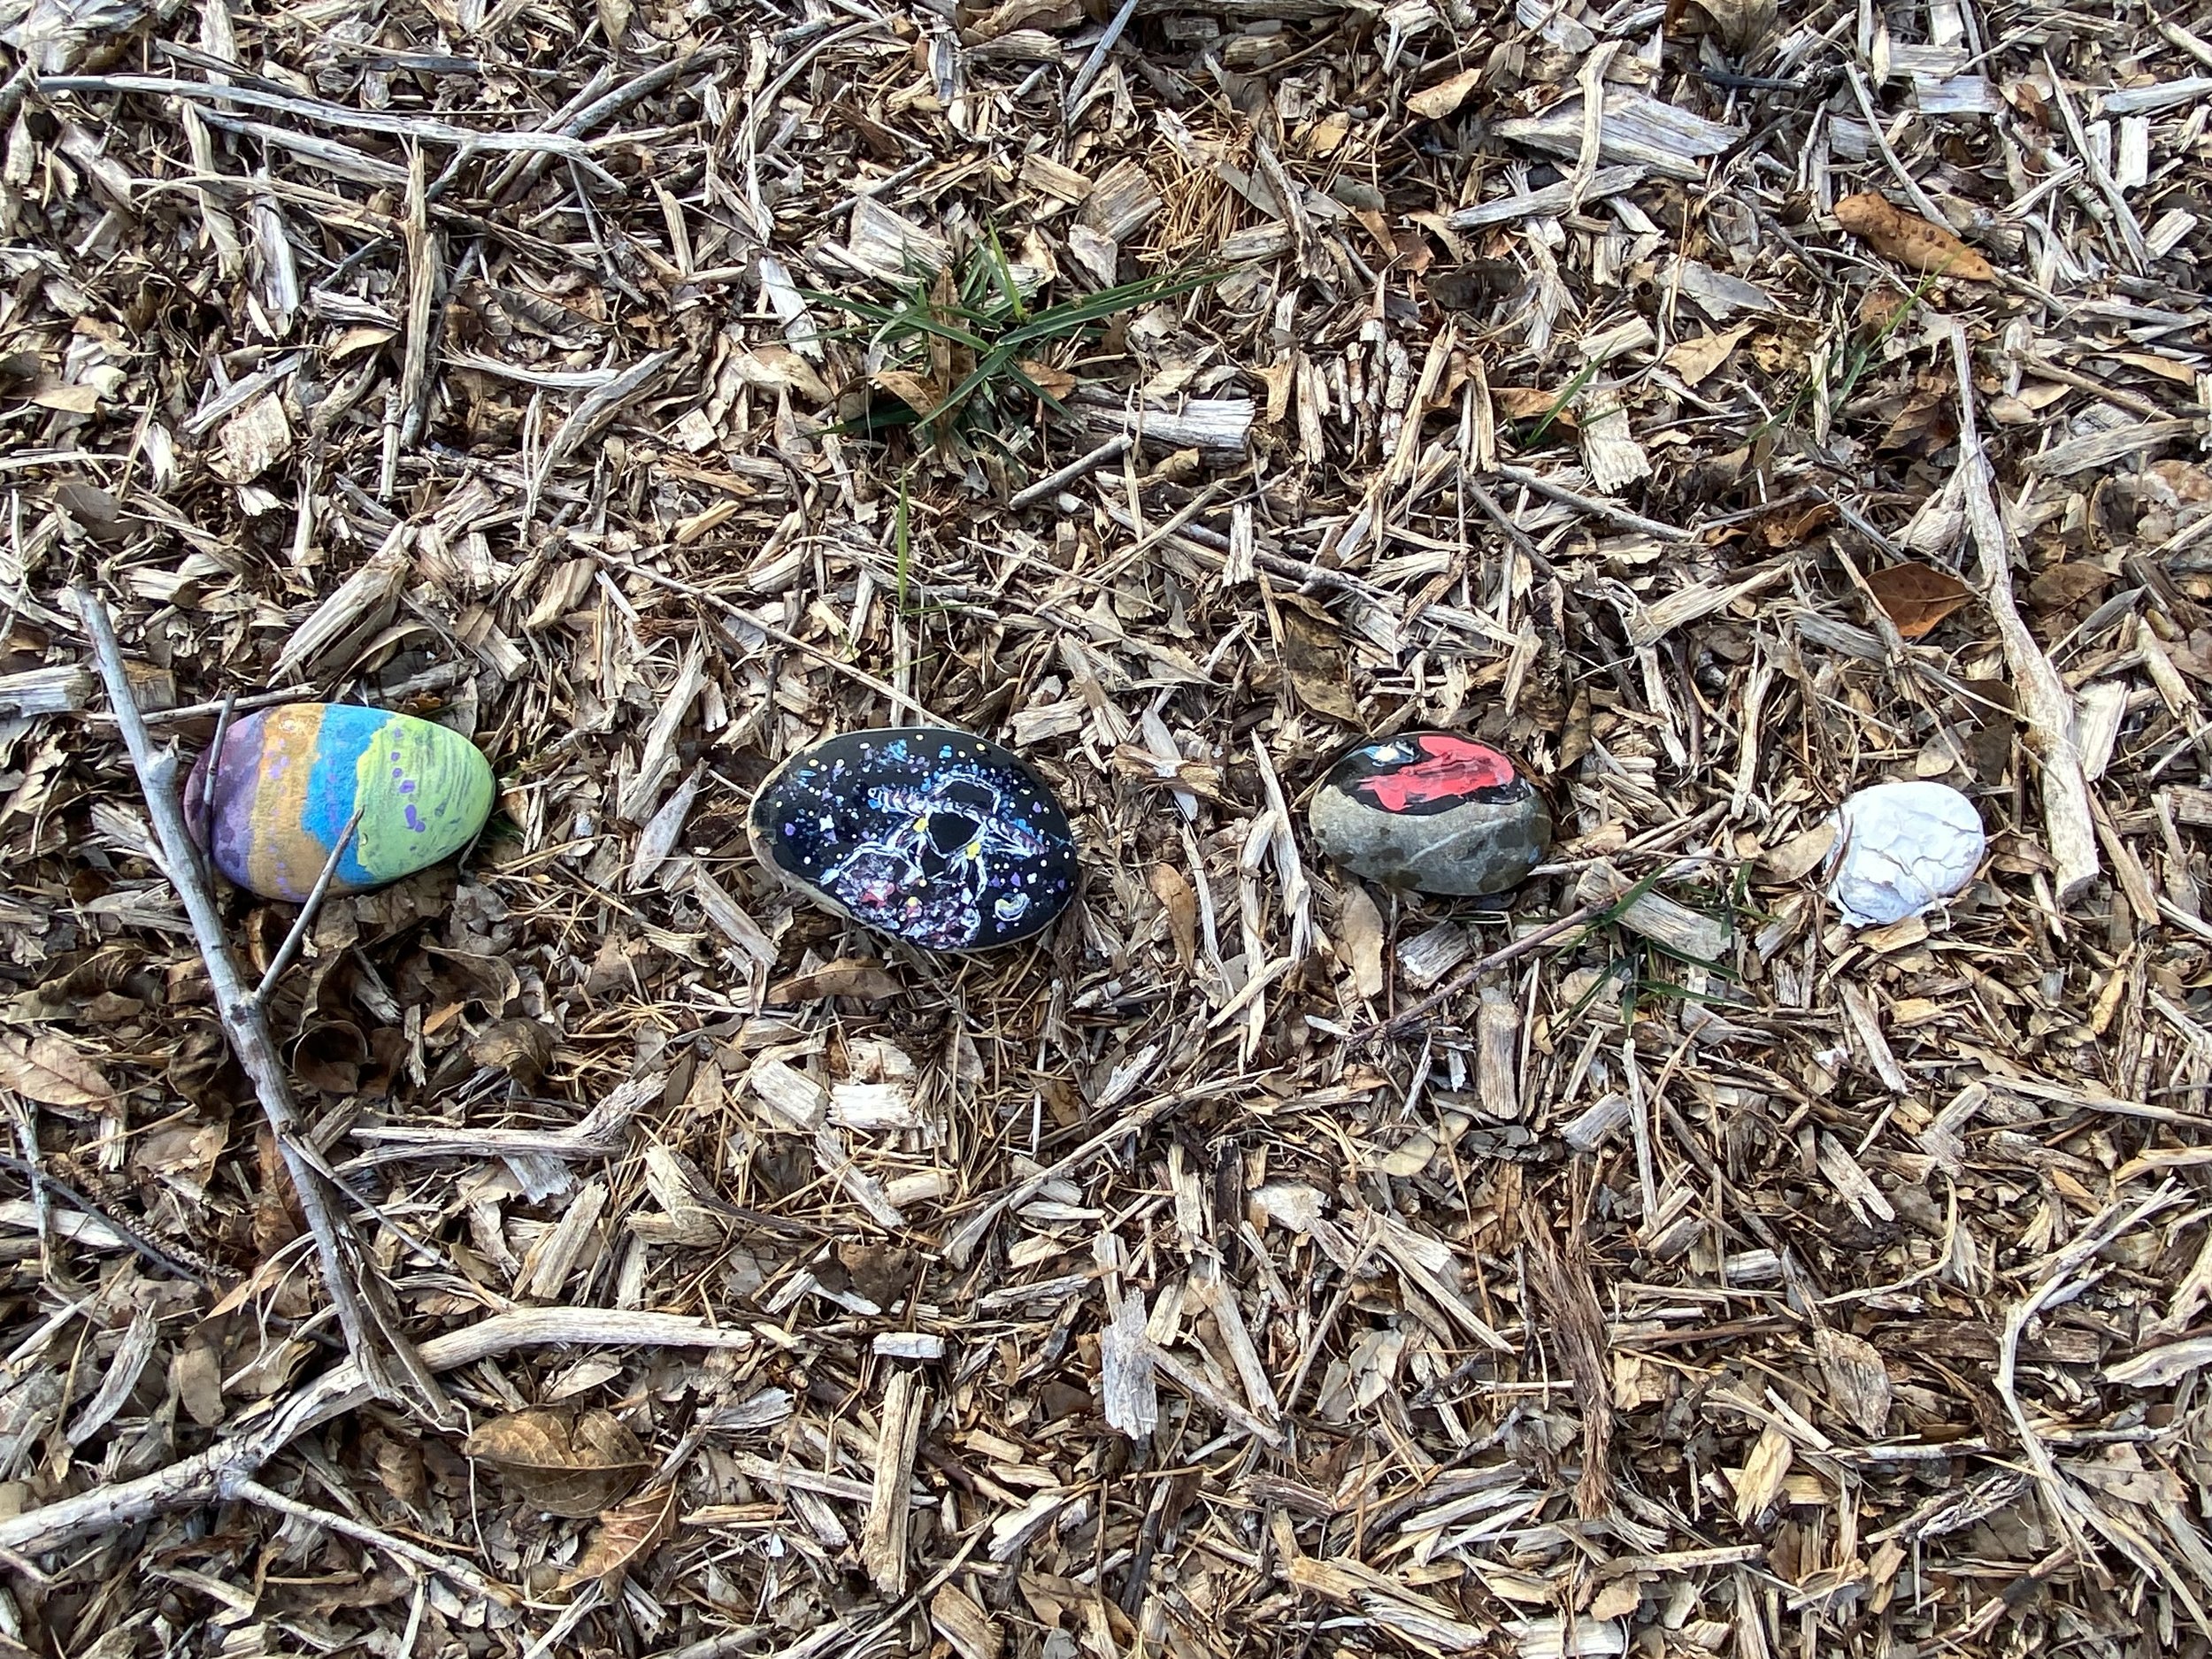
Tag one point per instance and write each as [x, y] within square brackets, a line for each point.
[290, 777]
[938, 838]
[1434, 811]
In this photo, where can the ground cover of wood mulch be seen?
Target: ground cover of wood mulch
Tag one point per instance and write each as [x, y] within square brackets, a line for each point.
[1721, 411]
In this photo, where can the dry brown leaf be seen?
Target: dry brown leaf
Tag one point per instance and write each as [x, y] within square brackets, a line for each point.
[1534, 403]
[626, 1534]
[1741, 26]
[562, 1463]
[1916, 598]
[1198, 777]
[862, 977]
[1800, 856]
[1788, 528]
[1181, 905]
[2063, 586]
[49, 1071]
[1695, 359]
[1858, 1382]
[776, 368]
[1923, 420]
[1909, 239]
[521, 1047]
[1433, 104]
[1314, 656]
[921, 392]
[1360, 932]
[1053, 381]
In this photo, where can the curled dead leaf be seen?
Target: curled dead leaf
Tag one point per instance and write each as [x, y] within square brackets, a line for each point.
[776, 368]
[2063, 586]
[1695, 359]
[1916, 598]
[1909, 239]
[1741, 26]
[627, 1534]
[1433, 104]
[923, 394]
[49, 1071]
[1181, 905]
[1534, 403]
[1197, 776]
[1360, 932]
[521, 1047]
[564, 1464]
[1053, 382]
[849, 976]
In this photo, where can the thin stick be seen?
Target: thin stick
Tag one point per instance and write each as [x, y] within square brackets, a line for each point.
[247, 1025]
[374, 1538]
[1592, 505]
[2046, 704]
[1396, 1024]
[215, 757]
[1112, 449]
[293, 939]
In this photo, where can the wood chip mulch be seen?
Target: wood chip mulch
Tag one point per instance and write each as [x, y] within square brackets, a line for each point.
[1722, 409]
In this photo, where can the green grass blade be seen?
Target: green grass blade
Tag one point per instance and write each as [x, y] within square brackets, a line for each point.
[1056, 321]
[1583, 377]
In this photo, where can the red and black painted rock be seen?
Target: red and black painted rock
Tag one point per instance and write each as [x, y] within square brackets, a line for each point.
[1434, 811]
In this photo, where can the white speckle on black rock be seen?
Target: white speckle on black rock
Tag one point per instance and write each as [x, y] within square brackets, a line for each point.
[1433, 811]
[932, 835]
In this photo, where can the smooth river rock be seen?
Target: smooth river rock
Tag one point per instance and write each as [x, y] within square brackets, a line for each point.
[290, 777]
[1434, 811]
[932, 835]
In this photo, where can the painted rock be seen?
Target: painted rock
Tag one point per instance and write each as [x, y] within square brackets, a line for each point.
[290, 777]
[1902, 848]
[1432, 811]
[938, 838]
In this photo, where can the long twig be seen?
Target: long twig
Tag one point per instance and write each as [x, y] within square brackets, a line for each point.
[354, 1296]
[375, 1537]
[217, 1473]
[138, 1241]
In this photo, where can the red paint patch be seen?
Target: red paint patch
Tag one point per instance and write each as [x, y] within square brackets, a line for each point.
[1451, 767]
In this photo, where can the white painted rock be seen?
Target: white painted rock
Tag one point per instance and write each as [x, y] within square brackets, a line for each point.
[1902, 848]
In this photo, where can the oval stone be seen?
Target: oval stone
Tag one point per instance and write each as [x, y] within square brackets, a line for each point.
[290, 779]
[1434, 811]
[1902, 848]
[932, 835]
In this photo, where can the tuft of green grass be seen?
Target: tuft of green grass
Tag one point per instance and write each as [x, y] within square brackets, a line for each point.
[1636, 964]
[1850, 367]
[964, 355]
[1583, 377]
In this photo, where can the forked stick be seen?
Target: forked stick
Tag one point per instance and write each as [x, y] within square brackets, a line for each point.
[360, 1310]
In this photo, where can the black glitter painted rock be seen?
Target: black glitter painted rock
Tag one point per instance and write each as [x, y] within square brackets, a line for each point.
[943, 840]
[1432, 811]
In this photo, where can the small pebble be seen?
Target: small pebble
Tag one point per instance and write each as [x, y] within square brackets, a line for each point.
[1434, 811]
[290, 777]
[1902, 848]
[932, 835]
